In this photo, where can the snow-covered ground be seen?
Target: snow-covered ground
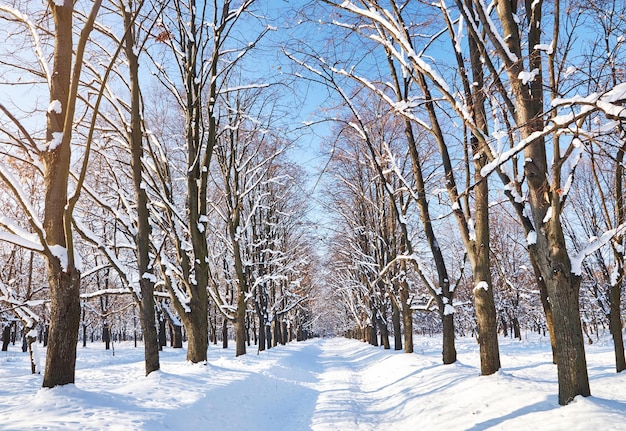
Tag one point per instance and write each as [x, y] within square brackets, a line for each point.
[322, 384]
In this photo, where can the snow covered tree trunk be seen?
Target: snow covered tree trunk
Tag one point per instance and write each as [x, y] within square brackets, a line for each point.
[479, 248]
[31, 343]
[146, 277]
[197, 322]
[241, 290]
[444, 295]
[63, 279]
[562, 285]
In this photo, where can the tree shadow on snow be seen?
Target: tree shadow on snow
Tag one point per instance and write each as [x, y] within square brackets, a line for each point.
[540, 406]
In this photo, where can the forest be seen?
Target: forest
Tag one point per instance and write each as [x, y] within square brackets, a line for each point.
[187, 173]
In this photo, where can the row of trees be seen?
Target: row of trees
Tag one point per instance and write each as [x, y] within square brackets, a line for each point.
[457, 118]
[463, 134]
[162, 172]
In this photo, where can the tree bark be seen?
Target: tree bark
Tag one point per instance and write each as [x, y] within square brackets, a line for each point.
[545, 303]
[64, 324]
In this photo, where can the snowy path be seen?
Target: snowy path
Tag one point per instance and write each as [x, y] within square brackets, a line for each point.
[320, 385]
[352, 386]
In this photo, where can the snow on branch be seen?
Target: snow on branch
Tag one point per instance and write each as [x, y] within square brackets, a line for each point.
[494, 34]
[20, 307]
[172, 317]
[119, 267]
[391, 32]
[21, 197]
[610, 103]
[16, 234]
[593, 246]
[102, 292]
[512, 152]
[20, 241]
[169, 272]
[577, 154]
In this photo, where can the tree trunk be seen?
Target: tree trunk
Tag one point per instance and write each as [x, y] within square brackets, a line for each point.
[615, 324]
[407, 317]
[31, 339]
[224, 333]
[142, 238]
[196, 270]
[64, 324]
[64, 283]
[373, 338]
[550, 248]
[213, 326]
[397, 330]
[615, 293]
[516, 328]
[483, 288]
[177, 336]
[384, 336]
[240, 325]
[285, 332]
[276, 336]
[197, 328]
[445, 294]
[268, 335]
[84, 326]
[255, 334]
[449, 349]
[6, 337]
[478, 250]
[261, 316]
[162, 336]
[543, 295]
[106, 336]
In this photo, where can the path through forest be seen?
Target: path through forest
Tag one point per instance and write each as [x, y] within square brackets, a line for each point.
[322, 384]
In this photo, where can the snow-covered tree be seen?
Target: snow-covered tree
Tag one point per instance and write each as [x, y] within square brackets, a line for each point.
[52, 234]
[200, 48]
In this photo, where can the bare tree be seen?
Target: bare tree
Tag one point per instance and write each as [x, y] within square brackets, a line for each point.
[53, 236]
[201, 55]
